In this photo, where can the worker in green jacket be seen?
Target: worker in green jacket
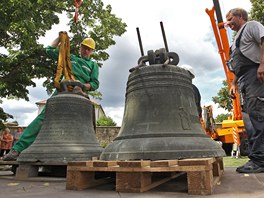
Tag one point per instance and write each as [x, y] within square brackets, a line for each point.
[83, 69]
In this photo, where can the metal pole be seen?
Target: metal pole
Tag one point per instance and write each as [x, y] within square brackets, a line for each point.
[140, 42]
[164, 37]
[218, 11]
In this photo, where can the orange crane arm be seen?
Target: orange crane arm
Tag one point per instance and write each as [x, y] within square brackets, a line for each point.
[223, 47]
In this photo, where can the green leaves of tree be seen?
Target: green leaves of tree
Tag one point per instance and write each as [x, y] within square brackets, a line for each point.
[257, 10]
[105, 121]
[223, 98]
[24, 22]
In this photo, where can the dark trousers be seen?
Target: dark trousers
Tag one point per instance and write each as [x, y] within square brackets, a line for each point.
[253, 95]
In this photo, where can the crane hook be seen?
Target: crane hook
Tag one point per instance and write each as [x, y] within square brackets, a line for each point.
[77, 4]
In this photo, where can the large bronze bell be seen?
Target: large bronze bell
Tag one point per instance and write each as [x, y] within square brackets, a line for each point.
[67, 133]
[160, 118]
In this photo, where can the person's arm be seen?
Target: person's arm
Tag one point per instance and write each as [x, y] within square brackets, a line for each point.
[260, 72]
[56, 42]
[52, 50]
[94, 82]
[89, 79]
[233, 89]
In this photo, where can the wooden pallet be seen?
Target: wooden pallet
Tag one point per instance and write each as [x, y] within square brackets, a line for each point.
[8, 162]
[139, 176]
[13, 164]
[29, 170]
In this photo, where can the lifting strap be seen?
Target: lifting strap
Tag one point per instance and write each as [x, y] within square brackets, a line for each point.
[64, 63]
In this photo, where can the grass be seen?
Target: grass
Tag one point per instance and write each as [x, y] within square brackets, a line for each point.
[234, 162]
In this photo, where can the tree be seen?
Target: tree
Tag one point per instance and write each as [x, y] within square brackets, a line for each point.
[24, 22]
[222, 117]
[223, 98]
[105, 121]
[257, 10]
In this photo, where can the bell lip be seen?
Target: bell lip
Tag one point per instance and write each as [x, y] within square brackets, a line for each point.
[168, 148]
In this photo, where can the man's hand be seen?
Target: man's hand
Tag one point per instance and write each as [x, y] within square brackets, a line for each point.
[87, 87]
[233, 91]
[260, 73]
[55, 43]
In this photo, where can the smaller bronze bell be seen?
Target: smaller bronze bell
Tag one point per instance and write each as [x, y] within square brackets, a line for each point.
[67, 133]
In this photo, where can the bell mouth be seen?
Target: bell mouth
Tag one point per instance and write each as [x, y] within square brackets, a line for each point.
[164, 148]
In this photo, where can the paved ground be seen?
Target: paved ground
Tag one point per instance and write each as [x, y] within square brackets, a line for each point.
[231, 185]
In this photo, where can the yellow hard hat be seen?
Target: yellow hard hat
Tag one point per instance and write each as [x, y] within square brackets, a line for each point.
[89, 42]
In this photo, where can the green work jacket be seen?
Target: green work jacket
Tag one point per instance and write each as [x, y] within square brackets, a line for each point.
[84, 69]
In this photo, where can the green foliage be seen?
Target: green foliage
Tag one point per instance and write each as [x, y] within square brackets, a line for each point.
[223, 98]
[96, 94]
[222, 117]
[103, 144]
[257, 10]
[24, 22]
[105, 121]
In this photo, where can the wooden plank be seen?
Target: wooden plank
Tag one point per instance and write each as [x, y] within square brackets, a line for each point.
[77, 180]
[159, 182]
[104, 163]
[8, 162]
[28, 171]
[221, 162]
[200, 182]
[132, 182]
[139, 182]
[132, 164]
[93, 163]
[143, 169]
[163, 163]
[196, 161]
[24, 171]
[216, 169]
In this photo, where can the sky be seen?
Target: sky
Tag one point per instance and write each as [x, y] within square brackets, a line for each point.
[188, 31]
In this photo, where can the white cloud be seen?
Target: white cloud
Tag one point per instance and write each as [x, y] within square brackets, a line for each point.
[116, 113]
[25, 111]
